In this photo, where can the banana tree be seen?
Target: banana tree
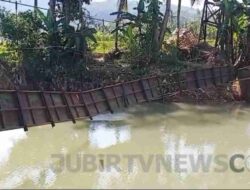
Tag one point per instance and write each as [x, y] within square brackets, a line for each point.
[164, 24]
[178, 22]
[149, 24]
[233, 29]
[247, 9]
[122, 7]
[49, 28]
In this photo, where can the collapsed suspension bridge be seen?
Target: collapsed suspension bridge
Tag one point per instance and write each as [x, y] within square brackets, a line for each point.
[24, 109]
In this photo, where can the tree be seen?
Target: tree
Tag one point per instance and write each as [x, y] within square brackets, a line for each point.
[164, 23]
[52, 7]
[155, 20]
[48, 48]
[122, 6]
[247, 3]
[178, 22]
[35, 5]
[147, 27]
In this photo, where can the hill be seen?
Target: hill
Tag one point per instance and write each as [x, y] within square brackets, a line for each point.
[103, 9]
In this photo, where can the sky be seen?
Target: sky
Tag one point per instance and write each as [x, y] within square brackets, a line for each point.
[44, 3]
[175, 2]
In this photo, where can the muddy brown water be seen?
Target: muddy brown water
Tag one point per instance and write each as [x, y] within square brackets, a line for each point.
[27, 160]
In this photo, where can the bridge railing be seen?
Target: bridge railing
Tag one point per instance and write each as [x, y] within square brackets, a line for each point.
[24, 109]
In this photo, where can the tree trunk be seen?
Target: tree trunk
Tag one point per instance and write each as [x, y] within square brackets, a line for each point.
[35, 7]
[35, 3]
[116, 34]
[155, 25]
[248, 39]
[52, 6]
[178, 23]
[122, 5]
[66, 10]
[81, 19]
[164, 23]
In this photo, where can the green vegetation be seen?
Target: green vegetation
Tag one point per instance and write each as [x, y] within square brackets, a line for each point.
[58, 46]
[105, 43]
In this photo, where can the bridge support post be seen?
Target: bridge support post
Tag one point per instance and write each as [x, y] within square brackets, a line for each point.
[144, 90]
[107, 101]
[2, 118]
[124, 95]
[21, 111]
[49, 115]
[85, 106]
[68, 106]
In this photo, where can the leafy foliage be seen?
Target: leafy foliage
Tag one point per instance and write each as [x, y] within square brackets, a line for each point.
[141, 31]
[234, 29]
[49, 48]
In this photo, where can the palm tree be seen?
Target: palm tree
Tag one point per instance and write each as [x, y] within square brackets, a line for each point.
[248, 34]
[122, 6]
[52, 7]
[35, 3]
[178, 22]
[35, 7]
[164, 23]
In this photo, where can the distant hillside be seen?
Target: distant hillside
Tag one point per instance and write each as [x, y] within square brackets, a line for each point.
[103, 9]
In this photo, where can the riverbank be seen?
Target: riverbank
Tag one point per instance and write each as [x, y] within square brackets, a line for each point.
[214, 95]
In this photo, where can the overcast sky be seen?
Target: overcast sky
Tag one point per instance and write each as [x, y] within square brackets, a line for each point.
[175, 2]
[44, 3]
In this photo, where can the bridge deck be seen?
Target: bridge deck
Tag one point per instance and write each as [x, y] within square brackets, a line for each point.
[24, 109]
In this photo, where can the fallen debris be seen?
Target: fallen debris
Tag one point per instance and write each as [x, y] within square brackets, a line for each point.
[219, 94]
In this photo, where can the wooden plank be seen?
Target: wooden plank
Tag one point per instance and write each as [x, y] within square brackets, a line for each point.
[150, 87]
[204, 77]
[208, 77]
[54, 105]
[196, 80]
[231, 73]
[116, 99]
[77, 113]
[213, 76]
[190, 80]
[179, 82]
[134, 92]
[68, 106]
[124, 95]
[201, 78]
[85, 105]
[107, 100]
[221, 77]
[48, 111]
[94, 102]
[143, 90]
[2, 118]
[31, 110]
[160, 90]
[22, 118]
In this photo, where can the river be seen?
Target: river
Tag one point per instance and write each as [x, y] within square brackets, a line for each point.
[125, 150]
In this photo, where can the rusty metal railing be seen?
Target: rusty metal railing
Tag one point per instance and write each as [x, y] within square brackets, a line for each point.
[24, 109]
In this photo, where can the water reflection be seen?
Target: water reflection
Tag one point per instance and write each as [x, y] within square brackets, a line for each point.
[105, 134]
[32, 175]
[8, 139]
[175, 145]
[25, 158]
[111, 117]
